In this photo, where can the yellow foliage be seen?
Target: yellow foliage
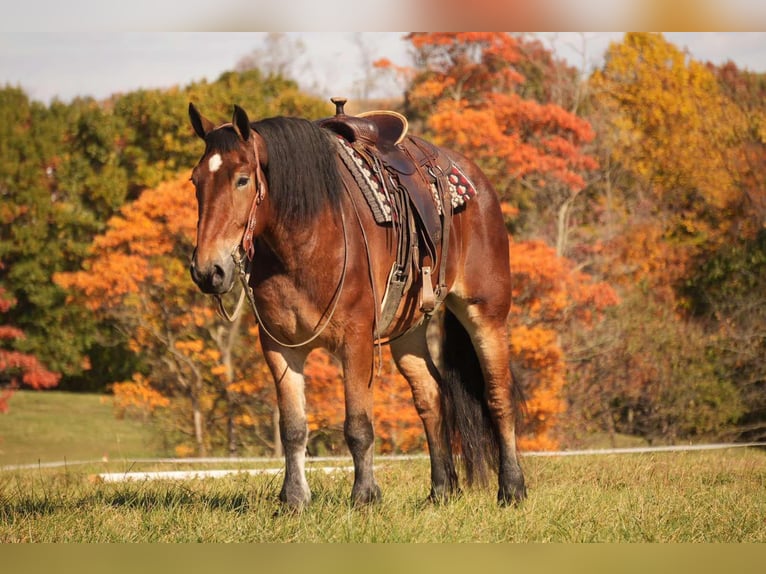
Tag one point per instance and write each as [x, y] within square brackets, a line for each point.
[671, 125]
[137, 394]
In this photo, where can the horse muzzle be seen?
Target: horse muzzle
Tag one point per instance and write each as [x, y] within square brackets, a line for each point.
[213, 278]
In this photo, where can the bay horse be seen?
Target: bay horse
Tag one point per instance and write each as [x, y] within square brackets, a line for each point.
[274, 199]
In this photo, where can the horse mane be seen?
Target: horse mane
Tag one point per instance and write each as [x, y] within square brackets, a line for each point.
[302, 172]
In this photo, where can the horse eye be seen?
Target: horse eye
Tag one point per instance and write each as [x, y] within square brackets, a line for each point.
[242, 181]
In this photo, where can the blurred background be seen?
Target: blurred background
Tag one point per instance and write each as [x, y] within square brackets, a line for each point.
[631, 167]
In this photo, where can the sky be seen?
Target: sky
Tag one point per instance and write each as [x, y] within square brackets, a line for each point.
[66, 64]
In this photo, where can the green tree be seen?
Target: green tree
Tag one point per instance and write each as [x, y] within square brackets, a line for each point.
[646, 371]
[65, 169]
[41, 231]
[17, 369]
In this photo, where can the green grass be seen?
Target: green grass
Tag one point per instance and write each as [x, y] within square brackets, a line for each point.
[710, 496]
[716, 496]
[56, 426]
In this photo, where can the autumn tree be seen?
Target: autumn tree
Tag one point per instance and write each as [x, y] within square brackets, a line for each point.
[670, 130]
[42, 230]
[398, 428]
[746, 114]
[136, 276]
[726, 291]
[666, 201]
[550, 299]
[17, 368]
[468, 90]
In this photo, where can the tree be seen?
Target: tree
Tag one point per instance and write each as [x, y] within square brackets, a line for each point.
[41, 231]
[136, 277]
[646, 371]
[726, 296]
[550, 299]
[468, 90]
[671, 132]
[667, 200]
[279, 55]
[746, 114]
[18, 368]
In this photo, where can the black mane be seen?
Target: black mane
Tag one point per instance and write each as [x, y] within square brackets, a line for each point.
[302, 172]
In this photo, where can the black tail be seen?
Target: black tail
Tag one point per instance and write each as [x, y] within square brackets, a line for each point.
[467, 416]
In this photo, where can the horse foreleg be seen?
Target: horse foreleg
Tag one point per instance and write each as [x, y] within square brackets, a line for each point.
[358, 429]
[293, 428]
[414, 362]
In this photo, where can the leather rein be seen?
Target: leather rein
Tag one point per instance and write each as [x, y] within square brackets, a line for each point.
[243, 255]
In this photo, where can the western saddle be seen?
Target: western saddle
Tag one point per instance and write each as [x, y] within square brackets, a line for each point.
[413, 178]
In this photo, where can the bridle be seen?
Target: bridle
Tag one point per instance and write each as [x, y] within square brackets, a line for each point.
[243, 255]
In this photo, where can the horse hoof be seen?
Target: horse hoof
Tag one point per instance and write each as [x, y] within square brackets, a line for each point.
[295, 498]
[366, 496]
[511, 495]
[443, 495]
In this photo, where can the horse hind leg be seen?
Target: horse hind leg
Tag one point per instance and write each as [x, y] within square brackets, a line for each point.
[413, 360]
[474, 329]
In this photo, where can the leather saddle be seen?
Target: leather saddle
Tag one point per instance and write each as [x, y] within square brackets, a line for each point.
[417, 171]
[380, 128]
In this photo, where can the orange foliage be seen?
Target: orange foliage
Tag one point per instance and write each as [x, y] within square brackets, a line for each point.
[137, 394]
[671, 130]
[137, 275]
[548, 294]
[138, 247]
[466, 90]
[398, 427]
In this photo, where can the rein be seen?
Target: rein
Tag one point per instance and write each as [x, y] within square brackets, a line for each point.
[243, 255]
[243, 263]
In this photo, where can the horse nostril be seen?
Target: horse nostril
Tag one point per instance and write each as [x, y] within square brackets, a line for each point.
[217, 277]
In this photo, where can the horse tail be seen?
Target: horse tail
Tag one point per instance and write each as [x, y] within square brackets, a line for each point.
[469, 422]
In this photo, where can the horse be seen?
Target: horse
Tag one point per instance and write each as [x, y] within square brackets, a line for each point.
[278, 210]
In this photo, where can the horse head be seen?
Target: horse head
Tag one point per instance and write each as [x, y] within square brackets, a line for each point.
[231, 190]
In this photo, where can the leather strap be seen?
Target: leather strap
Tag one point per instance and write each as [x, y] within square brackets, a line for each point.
[248, 243]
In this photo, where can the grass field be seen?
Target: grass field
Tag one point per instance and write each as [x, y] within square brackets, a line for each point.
[711, 496]
[54, 426]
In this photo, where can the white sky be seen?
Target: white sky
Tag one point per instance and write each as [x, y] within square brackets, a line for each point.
[66, 64]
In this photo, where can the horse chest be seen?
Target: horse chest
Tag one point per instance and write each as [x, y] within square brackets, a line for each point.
[287, 308]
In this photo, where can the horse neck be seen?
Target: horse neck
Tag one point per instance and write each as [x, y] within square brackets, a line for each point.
[304, 247]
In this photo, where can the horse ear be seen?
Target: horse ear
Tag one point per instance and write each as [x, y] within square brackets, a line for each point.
[241, 123]
[201, 124]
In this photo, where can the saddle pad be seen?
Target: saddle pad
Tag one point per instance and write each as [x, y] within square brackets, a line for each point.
[370, 180]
